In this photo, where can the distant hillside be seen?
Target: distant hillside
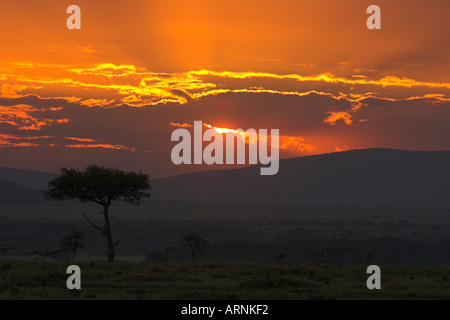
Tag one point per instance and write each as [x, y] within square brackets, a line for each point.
[12, 193]
[375, 177]
[370, 177]
[28, 178]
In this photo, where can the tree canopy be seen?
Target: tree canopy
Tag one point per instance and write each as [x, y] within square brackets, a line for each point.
[103, 186]
[100, 185]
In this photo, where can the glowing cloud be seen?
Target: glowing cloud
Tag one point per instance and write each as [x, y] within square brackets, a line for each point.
[338, 116]
[326, 77]
[295, 144]
[341, 148]
[290, 143]
[102, 146]
[96, 102]
[10, 91]
[107, 69]
[9, 140]
[180, 125]
[134, 86]
[20, 116]
[81, 139]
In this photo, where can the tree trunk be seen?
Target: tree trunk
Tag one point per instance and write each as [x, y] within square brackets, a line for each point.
[108, 234]
[194, 253]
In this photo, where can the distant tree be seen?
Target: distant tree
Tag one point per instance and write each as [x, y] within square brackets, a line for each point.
[71, 242]
[195, 243]
[162, 255]
[342, 251]
[100, 185]
[325, 255]
[278, 258]
[5, 247]
[45, 254]
[368, 257]
[329, 253]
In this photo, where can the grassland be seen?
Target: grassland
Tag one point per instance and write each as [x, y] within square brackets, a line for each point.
[177, 281]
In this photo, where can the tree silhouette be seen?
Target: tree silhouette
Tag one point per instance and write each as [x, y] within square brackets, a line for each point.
[325, 255]
[103, 186]
[329, 252]
[5, 247]
[162, 255]
[71, 242]
[195, 243]
[45, 254]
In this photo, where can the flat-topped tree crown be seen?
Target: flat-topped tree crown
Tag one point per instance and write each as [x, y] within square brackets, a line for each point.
[101, 185]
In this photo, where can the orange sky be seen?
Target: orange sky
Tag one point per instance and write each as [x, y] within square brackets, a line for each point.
[108, 92]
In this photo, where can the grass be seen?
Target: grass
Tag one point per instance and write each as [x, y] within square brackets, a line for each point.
[174, 281]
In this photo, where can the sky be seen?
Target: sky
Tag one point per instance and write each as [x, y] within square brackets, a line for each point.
[113, 92]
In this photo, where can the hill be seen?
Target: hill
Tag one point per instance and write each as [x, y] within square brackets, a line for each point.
[369, 177]
[28, 178]
[12, 194]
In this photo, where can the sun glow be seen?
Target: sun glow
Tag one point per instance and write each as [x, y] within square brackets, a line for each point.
[289, 143]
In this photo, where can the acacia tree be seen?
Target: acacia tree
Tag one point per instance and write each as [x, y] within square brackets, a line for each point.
[103, 186]
[70, 243]
[196, 244]
[5, 247]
